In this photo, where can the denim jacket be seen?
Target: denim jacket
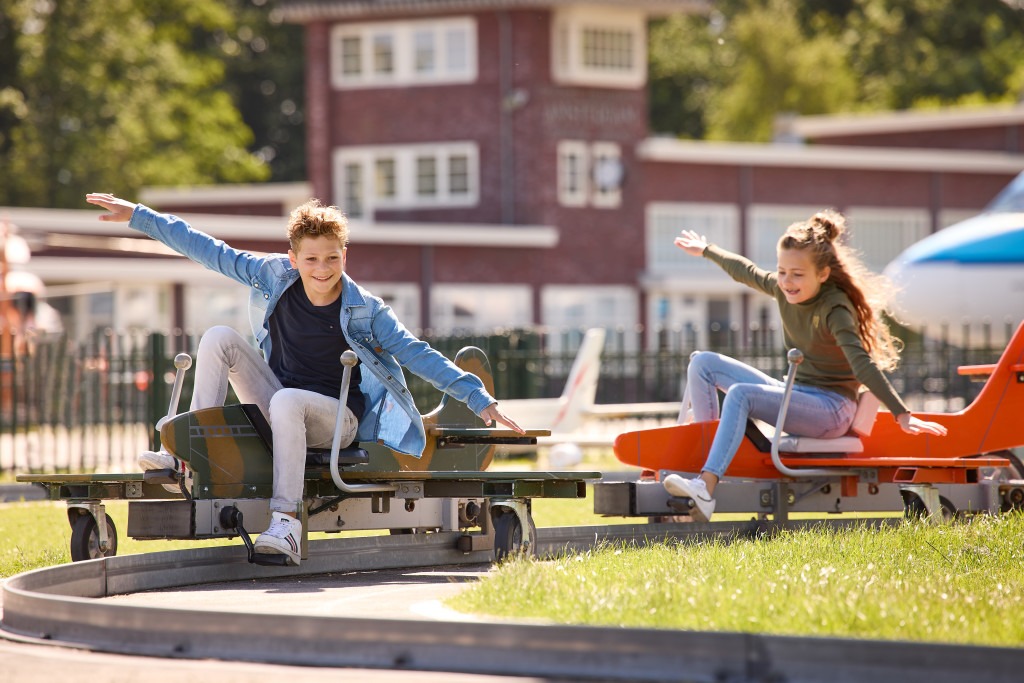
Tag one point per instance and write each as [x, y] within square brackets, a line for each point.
[384, 346]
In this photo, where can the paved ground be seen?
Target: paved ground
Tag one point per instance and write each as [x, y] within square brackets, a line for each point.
[391, 594]
[411, 594]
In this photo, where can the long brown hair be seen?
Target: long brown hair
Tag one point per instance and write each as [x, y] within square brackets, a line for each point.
[822, 236]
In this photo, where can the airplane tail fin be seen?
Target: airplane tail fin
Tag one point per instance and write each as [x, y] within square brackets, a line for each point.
[581, 387]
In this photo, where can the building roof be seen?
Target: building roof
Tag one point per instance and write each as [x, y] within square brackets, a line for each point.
[827, 156]
[907, 121]
[288, 195]
[91, 247]
[85, 222]
[303, 11]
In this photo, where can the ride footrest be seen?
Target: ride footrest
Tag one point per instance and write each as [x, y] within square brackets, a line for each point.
[166, 476]
[231, 518]
[681, 505]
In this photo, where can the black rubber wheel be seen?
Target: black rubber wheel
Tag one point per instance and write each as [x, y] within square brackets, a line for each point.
[508, 535]
[1016, 469]
[913, 507]
[85, 539]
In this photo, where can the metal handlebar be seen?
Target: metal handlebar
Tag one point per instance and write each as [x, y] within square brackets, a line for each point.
[182, 362]
[795, 358]
[348, 360]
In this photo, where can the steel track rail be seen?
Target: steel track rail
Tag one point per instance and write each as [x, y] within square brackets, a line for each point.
[58, 605]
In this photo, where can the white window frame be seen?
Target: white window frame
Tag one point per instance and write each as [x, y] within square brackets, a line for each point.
[405, 157]
[139, 306]
[402, 297]
[573, 172]
[765, 225]
[496, 306]
[207, 305]
[569, 27]
[606, 175]
[880, 234]
[664, 220]
[582, 306]
[948, 217]
[378, 190]
[361, 195]
[454, 39]
[587, 163]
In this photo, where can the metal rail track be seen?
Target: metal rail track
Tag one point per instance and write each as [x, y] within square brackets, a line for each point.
[58, 605]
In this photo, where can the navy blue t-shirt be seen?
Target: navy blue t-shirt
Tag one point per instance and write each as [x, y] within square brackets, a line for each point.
[307, 344]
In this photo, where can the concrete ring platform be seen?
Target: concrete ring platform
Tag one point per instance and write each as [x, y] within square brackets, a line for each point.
[395, 593]
[371, 607]
[411, 593]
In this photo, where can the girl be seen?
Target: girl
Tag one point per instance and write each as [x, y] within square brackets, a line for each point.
[830, 305]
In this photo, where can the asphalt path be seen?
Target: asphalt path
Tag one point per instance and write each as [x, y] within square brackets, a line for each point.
[384, 594]
[405, 594]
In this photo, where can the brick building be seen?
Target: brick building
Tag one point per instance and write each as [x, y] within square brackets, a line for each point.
[495, 160]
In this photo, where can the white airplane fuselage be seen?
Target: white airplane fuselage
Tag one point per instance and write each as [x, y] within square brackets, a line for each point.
[965, 277]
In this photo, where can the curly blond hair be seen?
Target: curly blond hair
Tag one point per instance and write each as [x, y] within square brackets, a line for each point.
[313, 219]
[823, 235]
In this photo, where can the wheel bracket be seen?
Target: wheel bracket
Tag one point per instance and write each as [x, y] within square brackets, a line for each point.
[99, 515]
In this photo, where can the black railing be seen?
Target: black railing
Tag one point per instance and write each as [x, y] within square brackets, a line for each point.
[91, 405]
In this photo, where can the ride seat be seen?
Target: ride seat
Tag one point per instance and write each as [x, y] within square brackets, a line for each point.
[863, 421]
[315, 457]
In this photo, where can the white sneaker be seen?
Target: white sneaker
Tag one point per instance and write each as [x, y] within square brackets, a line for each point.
[159, 460]
[696, 490]
[283, 536]
[162, 460]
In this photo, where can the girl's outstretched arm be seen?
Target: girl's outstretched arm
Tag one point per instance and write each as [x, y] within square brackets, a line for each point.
[692, 243]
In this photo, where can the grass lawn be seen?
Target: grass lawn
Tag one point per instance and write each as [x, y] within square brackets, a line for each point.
[957, 583]
[37, 534]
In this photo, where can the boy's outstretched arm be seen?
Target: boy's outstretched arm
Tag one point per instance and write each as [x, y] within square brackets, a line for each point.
[120, 210]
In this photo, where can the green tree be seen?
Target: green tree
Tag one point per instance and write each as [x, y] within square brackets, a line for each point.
[114, 95]
[265, 74]
[778, 69]
[731, 73]
[688, 59]
[909, 53]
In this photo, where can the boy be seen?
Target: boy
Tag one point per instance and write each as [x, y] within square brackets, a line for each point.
[301, 332]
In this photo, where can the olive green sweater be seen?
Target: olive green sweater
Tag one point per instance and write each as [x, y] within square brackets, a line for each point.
[823, 328]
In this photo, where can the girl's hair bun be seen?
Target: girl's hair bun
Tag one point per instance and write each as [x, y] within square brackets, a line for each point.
[830, 223]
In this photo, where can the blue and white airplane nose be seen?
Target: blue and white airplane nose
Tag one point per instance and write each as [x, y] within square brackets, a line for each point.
[970, 273]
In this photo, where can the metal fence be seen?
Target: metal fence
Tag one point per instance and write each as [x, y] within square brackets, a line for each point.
[80, 406]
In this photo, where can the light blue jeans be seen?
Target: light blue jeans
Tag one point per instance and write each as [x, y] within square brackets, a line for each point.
[297, 417]
[813, 412]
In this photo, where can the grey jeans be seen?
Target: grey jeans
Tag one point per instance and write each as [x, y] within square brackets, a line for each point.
[298, 418]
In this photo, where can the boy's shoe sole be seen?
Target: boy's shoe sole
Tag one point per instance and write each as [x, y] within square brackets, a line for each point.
[291, 560]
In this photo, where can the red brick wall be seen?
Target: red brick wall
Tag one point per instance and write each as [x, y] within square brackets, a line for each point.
[518, 183]
[520, 188]
[991, 138]
[318, 114]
